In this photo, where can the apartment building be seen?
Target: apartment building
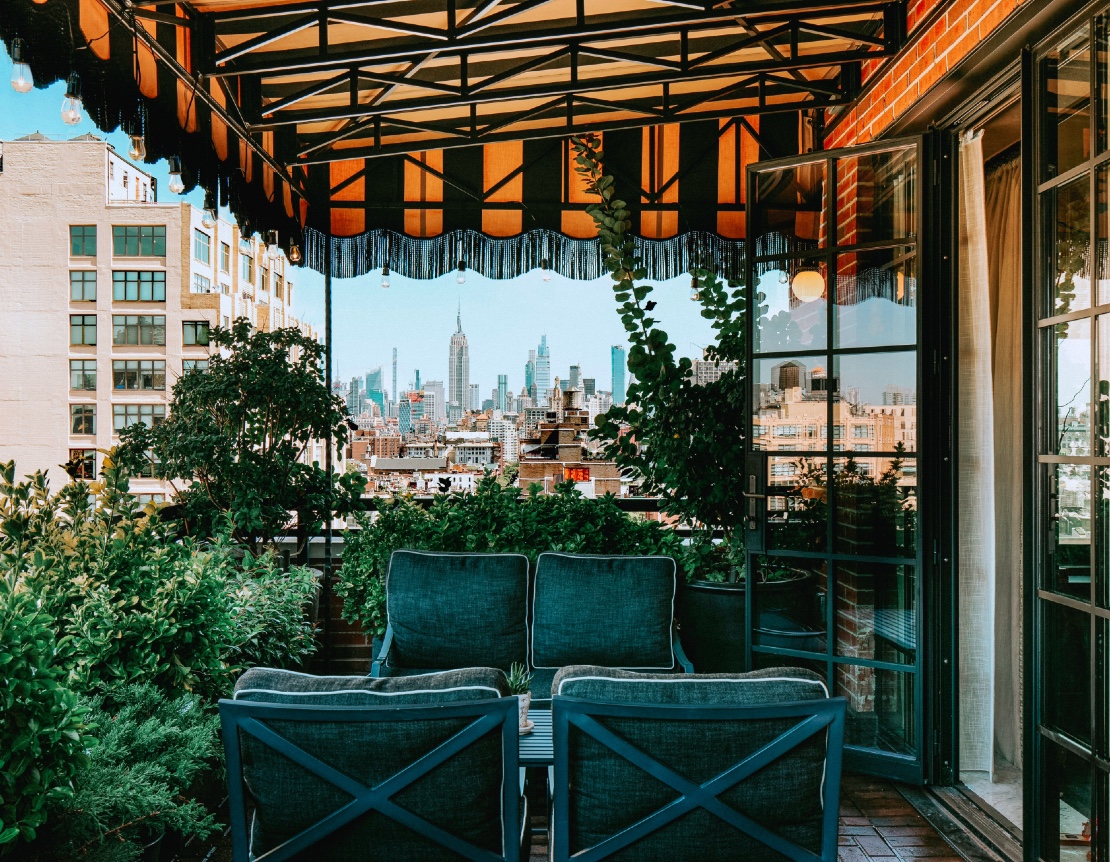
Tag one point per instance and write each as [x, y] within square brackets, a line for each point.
[109, 295]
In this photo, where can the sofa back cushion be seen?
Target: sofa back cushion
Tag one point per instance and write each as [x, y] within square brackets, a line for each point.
[461, 795]
[457, 610]
[610, 792]
[614, 611]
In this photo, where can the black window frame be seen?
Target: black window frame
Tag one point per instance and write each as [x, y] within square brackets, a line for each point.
[82, 240]
[82, 367]
[79, 282]
[144, 327]
[86, 325]
[82, 419]
[135, 240]
[202, 240]
[195, 327]
[129, 285]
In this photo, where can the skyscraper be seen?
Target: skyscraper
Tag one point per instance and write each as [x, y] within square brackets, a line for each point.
[574, 376]
[374, 379]
[618, 374]
[543, 371]
[396, 395]
[435, 405]
[530, 375]
[502, 401]
[475, 397]
[458, 368]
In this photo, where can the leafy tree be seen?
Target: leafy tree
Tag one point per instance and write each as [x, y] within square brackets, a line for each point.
[239, 432]
[685, 441]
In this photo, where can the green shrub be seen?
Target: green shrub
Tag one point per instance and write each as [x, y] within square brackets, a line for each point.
[155, 752]
[492, 519]
[42, 728]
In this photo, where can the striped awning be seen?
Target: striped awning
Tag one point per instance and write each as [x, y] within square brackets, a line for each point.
[385, 124]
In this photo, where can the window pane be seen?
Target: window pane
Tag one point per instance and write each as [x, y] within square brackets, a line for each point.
[876, 298]
[1066, 100]
[789, 206]
[797, 503]
[1067, 234]
[881, 711]
[1067, 679]
[82, 374]
[876, 612]
[877, 393]
[82, 463]
[875, 506]
[791, 604]
[1068, 798]
[1069, 551]
[82, 240]
[876, 196]
[1068, 354]
[83, 418]
[82, 286]
[790, 404]
[792, 306]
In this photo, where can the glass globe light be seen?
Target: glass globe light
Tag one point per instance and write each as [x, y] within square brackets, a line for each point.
[138, 148]
[808, 285]
[176, 185]
[294, 254]
[22, 79]
[72, 108]
[385, 277]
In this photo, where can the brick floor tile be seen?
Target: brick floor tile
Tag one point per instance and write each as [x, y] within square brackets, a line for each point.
[858, 830]
[902, 831]
[845, 820]
[874, 846]
[936, 849]
[851, 854]
[911, 840]
[904, 820]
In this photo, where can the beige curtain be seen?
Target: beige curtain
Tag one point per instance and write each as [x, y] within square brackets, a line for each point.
[976, 470]
[1003, 188]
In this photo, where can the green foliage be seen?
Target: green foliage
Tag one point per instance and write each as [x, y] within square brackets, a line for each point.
[42, 728]
[155, 752]
[238, 432]
[492, 519]
[520, 680]
[684, 441]
[133, 603]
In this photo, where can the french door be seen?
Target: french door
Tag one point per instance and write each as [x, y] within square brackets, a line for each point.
[834, 556]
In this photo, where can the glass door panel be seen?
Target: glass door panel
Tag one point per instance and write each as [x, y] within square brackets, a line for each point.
[834, 333]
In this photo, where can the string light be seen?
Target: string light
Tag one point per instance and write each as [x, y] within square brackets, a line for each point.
[545, 269]
[210, 204]
[294, 254]
[138, 148]
[72, 108]
[273, 248]
[22, 79]
[695, 294]
[385, 276]
[176, 185]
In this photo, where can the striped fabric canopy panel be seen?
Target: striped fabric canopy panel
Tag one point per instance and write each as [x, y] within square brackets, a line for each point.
[422, 118]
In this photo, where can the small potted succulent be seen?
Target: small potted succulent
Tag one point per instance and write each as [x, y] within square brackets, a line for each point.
[520, 684]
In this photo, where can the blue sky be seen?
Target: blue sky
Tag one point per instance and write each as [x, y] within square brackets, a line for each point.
[503, 320]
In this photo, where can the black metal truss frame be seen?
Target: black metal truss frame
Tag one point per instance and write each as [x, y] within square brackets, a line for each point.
[475, 40]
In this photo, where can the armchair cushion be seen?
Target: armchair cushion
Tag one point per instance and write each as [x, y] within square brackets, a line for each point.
[271, 685]
[614, 611]
[457, 610]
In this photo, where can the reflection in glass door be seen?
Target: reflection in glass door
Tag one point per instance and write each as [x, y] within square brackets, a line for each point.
[833, 555]
[1071, 746]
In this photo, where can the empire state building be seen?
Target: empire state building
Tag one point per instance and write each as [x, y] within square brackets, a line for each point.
[458, 370]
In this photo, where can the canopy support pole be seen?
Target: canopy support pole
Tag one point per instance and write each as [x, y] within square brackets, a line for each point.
[329, 466]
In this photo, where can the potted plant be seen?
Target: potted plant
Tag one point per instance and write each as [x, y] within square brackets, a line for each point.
[684, 441]
[520, 684]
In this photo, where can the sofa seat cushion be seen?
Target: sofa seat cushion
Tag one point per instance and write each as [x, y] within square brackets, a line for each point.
[611, 793]
[270, 685]
[457, 610]
[614, 611]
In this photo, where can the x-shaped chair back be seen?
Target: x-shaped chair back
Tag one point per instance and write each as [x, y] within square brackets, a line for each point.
[241, 718]
[801, 721]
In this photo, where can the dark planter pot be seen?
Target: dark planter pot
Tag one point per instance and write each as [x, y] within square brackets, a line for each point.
[711, 617]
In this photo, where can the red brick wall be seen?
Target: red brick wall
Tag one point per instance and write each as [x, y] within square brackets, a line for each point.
[932, 52]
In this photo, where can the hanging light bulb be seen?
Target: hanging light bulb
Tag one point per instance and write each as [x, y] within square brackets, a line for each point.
[783, 277]
[138, 148]
[294, 254]
[22, 80]
[72, 109]
[461, 276]
[273, 249]
[545, 269]
[385, 276]
[695, 294]
[808, 285]
[210, 204]
[176, 185]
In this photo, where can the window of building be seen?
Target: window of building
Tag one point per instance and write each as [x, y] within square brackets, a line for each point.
[202, 246]
[787, 431]
[111, 170]
[82, 374]
[150, 498]
[862, 447]
[194, 332]
[225, 257]
[139, 329]
[82, 285]
[201, 283]
[188, 365]
[279, 288]
[125, 179]
[82, 240]
[139, 373]
[246, 267]
[861, 432]
[82, 463]
[124, 415]
[138, 286]
[82, 329]
[146, 469]
[83, 418]
[139, 240]
[783, 468]
[226, 322]
[265, 278]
